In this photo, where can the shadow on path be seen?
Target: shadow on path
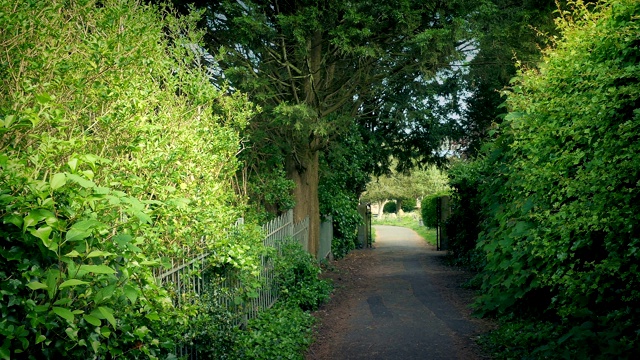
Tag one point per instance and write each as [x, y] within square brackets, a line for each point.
[400, 303]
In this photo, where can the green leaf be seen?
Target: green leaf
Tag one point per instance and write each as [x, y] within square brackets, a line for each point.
[43, 233]
[58, 180]
[142, 216]
[63, 313]
[104, 293]
[87, 224]
[123, 239]
[92, 320]
[72, 282]
[82, 229]
[153, 316]
[13, 219]
[76, 234]
[73, 164]
[131, 293]
[97, 269]
[96, 253]
[35, 217]
[40, 338]
[72, 254]
[43, 98]
[81, 181]
[8, 120]
[108, 314]
[35, 285]
[5, 352]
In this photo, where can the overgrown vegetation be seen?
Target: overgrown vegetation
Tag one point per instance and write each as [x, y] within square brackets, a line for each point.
[117, 157]
[559, 195]
[116, 154]
[344, 175]
[283, 331]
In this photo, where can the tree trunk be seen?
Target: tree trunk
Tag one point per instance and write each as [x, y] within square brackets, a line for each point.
[303, 170]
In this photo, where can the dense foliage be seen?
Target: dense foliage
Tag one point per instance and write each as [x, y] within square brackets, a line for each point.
[507, 33]
[466, 216]
[116, 155]
[283, 331]
[561, 240]
[429, 209]
[344, 173]
[319, 69]
[390, 208]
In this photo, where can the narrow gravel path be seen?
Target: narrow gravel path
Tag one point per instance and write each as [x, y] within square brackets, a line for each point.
[397, 301]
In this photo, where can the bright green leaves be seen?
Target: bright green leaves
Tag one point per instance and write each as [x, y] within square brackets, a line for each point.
[105, 122]
[95, 269]
[57, 181]
[35, 285]
[106, 313]
[72, 282]
[81, 181]
[82, 229]
[560, 190]
[92, 320]
[36, 216]
[63, 313]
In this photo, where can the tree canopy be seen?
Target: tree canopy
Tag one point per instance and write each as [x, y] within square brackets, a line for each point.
[316, 68]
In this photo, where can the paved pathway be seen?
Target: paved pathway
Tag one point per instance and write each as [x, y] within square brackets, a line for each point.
[405, 311]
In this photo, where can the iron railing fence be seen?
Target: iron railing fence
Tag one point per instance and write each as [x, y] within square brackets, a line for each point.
[189, 281]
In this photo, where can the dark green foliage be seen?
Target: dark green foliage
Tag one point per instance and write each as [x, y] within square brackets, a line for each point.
[282, 332]
[343, 176]
[429, 210]
[463, 224]
[115, 154]
[320, 69]
[508, 32]
[562, 241]
[408, 205]
[297, 277]
[390, 207]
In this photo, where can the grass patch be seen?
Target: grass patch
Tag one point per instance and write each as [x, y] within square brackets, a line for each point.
[411, 221]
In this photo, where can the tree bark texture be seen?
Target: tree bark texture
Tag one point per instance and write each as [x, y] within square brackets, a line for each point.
[303, 170]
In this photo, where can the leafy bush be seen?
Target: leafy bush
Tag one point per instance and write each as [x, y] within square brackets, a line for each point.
[390, 207]
[117, 153]
[343, 177]
[562, 243]
[467, 214]
[281, 332]
[297, 277]
[408, 205]
[429, 210]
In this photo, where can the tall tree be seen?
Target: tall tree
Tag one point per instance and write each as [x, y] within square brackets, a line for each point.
[507, 32]
[315, 67]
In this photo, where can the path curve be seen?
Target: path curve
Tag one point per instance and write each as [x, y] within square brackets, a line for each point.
[400, 305]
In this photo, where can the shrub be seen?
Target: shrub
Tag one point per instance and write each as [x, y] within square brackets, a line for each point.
[408, 205]
[390, 207]
[282, 332]
[117, 154]
[297, 277]
[467, 214]
[562, 241]
[429, 210]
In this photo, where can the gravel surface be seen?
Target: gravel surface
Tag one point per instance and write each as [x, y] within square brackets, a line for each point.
[398, 300]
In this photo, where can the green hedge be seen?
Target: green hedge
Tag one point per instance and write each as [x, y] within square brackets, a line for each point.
[562, 241]
[429, 210]
[117, 154]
